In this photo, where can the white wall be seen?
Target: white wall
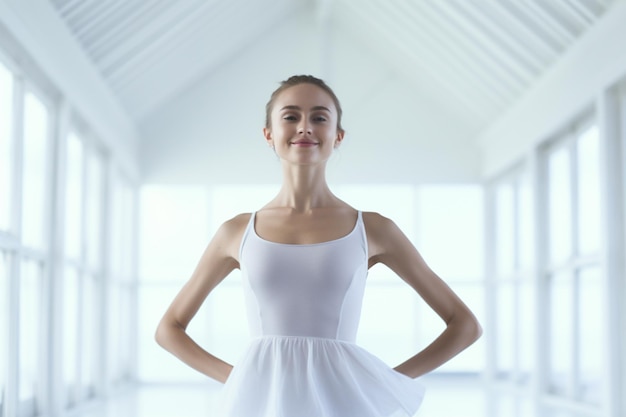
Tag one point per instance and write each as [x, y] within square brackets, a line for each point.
[38, 30]
[595, 62]
[213, 133]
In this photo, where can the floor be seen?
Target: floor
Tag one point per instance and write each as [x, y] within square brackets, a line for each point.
[444, 398]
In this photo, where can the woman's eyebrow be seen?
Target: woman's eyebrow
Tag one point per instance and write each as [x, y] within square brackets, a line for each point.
[293, 107]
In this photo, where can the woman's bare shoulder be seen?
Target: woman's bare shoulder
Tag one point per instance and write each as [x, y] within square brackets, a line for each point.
[376, 223]
[238, 222]
[230, 232]
[382, 235]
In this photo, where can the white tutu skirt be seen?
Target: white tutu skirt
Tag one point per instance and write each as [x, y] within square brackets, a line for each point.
[292, 376]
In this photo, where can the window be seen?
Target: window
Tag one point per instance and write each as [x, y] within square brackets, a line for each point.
[6, 147]
[72, 314]
[30, 335]
[28, 121]
[588, 193]
[514, 301]
[121, 299]
[35, 164]
[73, 197]
[4, 324]
[70, 333]
[93, 210]
[560, 206]
[576, 336]
[90, 336]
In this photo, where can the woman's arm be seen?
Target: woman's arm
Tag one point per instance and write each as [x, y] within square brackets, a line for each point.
[217, 261]
[388, 245]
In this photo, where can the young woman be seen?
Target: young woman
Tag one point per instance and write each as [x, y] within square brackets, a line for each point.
[304, 258]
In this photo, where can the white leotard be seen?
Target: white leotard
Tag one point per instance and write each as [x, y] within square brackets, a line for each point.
[305, 290]
[304, 304]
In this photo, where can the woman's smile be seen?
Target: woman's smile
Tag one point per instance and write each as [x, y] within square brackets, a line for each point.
[304, 143]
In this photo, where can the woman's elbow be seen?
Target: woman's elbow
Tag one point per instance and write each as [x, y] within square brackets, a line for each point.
[473, 328]
[467, 327]
[161, 334]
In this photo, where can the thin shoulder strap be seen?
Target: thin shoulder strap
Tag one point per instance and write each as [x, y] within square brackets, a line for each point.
[246, 233]
[361, 225]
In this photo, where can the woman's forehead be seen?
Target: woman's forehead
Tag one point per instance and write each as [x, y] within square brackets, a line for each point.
[305, 96]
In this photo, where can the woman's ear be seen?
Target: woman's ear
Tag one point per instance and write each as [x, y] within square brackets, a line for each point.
[268, 137]
[339, 139]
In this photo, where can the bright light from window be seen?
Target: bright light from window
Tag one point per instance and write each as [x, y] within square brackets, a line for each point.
[505, 230]
[588, 191]
[35, 171]
[561, 328]
[94, 208]
[4, 324]
[590, 333]
[560, 205]
[29, 330]
[6, 146]
[73, 196]
[70, 331]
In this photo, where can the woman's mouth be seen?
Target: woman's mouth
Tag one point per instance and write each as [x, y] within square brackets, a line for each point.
[304, 143]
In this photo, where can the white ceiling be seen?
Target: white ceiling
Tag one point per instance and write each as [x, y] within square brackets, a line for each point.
[476, 56]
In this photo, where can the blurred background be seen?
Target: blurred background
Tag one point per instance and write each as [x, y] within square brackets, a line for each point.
[491, 132]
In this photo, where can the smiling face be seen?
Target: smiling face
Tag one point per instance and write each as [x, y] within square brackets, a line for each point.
[303, 127]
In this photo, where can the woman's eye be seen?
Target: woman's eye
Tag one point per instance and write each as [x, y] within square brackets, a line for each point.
[290, 118]
[319, 119]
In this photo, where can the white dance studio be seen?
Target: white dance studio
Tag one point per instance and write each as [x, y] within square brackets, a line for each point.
[312, 208]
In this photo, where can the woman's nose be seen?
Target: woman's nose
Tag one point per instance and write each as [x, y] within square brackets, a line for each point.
[304, 128]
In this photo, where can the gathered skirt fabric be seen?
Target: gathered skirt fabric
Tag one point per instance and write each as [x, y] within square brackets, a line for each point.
[293, 376]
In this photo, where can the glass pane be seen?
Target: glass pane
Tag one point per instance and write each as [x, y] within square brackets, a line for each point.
[6, 146]
[73, 196]
[128, 231]
[561, 332]
[35, 170]
[505, 230]
[123, 230]
[560, 207]
[29, 330]
[526, 318]
[588, 191]
[128, 339]
[4, 324]
[114, 332]
[70, 333]
[591, 335]
[505, 329]
[450, 226]
[525, 211]
[89, 336]
[94, 201]
[120, 346]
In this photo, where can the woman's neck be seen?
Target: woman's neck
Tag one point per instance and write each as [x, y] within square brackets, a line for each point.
[304, 188]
